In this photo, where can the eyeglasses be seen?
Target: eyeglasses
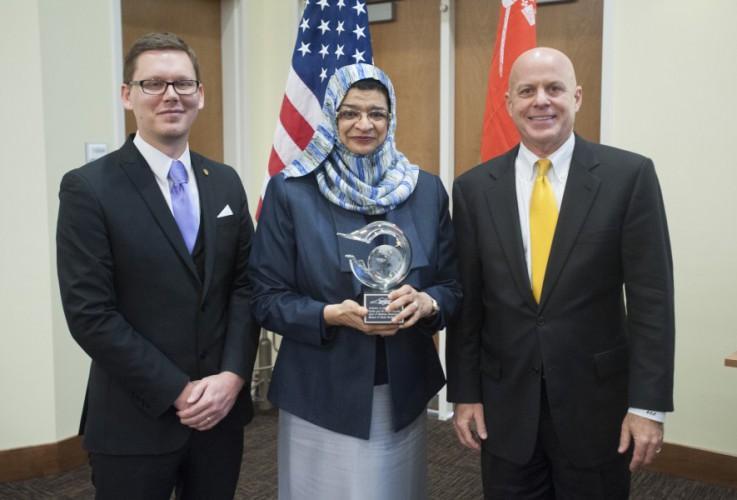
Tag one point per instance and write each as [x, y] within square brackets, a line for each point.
[375, 116]
[159, 87]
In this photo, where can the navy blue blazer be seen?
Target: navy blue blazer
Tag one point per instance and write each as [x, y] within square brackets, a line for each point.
[297, 267]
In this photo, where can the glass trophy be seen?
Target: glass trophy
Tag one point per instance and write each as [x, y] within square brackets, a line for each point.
[385, 268]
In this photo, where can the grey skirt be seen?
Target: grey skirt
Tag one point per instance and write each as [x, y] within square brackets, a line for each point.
[318, 464]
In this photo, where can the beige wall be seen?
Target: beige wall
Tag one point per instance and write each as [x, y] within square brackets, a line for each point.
[26, 359]
[671, 76]
[81, 75]
[258, 39]
[667, 88]
[57, 94]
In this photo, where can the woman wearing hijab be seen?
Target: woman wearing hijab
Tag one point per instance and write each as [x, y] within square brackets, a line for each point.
[352, 396]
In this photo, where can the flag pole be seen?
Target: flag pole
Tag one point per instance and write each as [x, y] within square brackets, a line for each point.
[447, 149]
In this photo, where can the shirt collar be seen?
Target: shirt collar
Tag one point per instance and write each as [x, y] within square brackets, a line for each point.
[560, 158]
[158, 161]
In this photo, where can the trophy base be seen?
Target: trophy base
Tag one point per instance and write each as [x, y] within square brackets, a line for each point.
[376, 303]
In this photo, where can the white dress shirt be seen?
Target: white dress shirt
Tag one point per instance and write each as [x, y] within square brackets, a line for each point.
[525, 173]
[160, 165]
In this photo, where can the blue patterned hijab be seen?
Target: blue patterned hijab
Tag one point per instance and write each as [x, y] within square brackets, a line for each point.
[369, 184]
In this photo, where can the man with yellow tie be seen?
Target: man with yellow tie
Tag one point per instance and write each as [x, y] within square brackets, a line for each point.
[561, 382]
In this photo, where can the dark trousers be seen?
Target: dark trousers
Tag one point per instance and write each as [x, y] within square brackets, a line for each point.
[550, 475]
[206, 467]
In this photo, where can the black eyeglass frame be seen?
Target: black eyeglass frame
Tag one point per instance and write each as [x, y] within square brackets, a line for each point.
[142, 83]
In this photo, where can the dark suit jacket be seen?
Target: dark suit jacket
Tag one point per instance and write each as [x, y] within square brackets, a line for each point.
[135, 303]
[298, 267]
[598, 356]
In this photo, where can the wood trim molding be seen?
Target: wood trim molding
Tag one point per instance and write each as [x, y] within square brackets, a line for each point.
[699, 465]
[731, 360]
[36, 461]
[675, 460]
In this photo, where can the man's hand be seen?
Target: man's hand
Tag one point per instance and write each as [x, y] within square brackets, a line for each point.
[648, 437]
[210, 400]
[181, 401]
[349, 313]
[466, 414]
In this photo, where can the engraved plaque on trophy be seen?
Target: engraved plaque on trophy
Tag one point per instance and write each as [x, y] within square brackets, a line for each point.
[385, 268]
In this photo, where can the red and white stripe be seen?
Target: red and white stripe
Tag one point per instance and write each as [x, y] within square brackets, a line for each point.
[299, 117]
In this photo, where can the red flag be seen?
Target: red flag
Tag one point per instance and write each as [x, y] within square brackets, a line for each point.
[515, 33]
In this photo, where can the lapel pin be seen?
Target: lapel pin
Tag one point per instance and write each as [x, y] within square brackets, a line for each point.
[205, 171]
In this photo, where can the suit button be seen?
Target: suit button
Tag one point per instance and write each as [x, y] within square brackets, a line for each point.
[203, 355]
[540, 321]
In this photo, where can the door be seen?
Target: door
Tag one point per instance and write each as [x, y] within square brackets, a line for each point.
[197, 22]
[572, 27]
[408, 50]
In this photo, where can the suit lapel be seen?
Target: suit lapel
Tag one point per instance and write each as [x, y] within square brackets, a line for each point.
[208, 225]
[143, 179]
[502, 201]
[580, 192]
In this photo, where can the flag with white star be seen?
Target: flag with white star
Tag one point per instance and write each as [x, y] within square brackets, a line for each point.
[331, 34]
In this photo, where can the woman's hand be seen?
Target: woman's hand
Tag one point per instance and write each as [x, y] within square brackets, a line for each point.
[417, 305]
[349, 313]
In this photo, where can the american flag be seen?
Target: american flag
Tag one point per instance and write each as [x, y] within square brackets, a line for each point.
[331, 34]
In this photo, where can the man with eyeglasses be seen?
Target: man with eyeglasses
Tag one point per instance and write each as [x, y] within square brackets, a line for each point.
[153, 242]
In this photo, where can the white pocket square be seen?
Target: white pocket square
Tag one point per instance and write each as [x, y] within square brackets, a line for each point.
[225, 212]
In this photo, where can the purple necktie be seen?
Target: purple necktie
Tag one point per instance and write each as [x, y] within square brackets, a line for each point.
[181, 205]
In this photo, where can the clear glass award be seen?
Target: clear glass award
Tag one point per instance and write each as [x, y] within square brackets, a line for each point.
[385, 268]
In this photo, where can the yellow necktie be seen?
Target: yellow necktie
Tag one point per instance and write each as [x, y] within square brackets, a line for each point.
[543, 217]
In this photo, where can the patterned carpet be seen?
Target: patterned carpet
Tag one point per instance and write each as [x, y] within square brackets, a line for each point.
[453, 473]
